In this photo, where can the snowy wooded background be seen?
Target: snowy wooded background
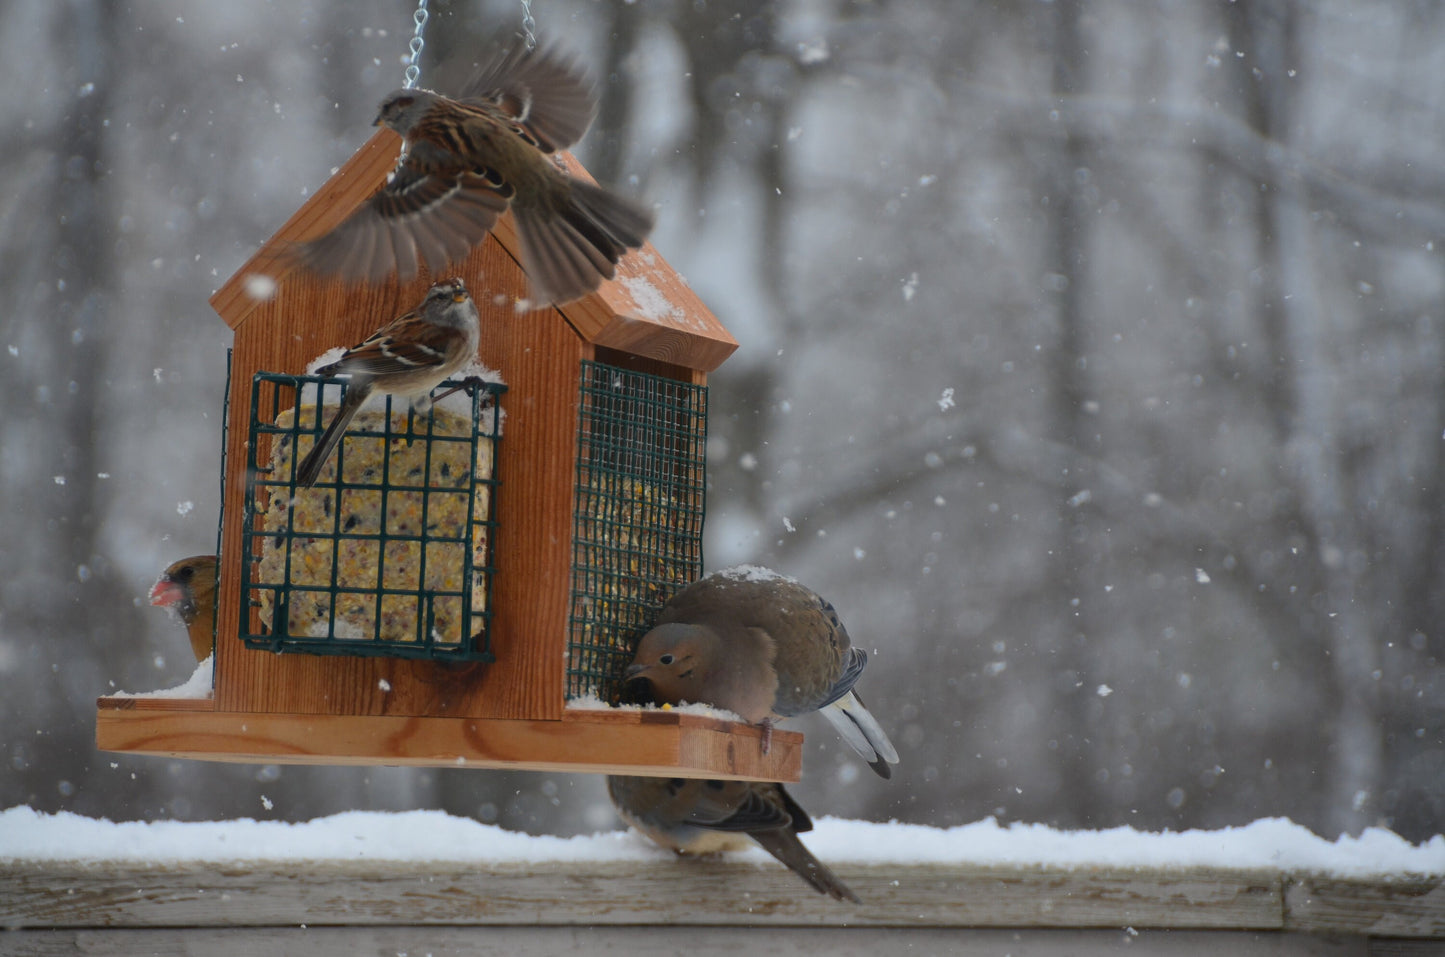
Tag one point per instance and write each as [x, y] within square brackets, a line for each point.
[1091, 365]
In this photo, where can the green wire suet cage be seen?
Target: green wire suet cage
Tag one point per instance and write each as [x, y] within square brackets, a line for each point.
[637, 526]
[390, 552]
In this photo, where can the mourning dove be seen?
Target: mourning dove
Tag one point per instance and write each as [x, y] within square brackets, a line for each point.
[763, 646]
[188, 588]
[707, 817]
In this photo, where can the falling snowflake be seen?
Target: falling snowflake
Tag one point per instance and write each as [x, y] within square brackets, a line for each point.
[910, 287]
[814, 51]
[260, 287]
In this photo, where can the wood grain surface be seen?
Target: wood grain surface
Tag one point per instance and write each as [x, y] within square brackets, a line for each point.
[612, 742]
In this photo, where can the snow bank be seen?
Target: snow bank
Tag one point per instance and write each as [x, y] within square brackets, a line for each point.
[421, 836]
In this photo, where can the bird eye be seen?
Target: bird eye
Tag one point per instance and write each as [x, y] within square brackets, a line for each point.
[183, 575]
[666, 659]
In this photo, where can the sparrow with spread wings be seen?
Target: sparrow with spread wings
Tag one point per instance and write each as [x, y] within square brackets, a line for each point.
[467, 160]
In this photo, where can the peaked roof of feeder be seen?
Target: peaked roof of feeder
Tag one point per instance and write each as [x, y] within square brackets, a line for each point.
[646, 310]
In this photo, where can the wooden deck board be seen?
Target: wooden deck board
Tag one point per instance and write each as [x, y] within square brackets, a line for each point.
[662, 891]
[664, 942]
[442, 906]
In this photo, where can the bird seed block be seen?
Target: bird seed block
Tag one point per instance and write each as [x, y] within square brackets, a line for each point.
[384, 549]
[633, 552]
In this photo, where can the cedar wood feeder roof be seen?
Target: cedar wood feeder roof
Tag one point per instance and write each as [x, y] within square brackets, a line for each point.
[509, 713]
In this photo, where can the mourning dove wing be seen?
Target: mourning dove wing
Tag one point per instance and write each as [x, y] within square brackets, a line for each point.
[763, 646]
[693, 817]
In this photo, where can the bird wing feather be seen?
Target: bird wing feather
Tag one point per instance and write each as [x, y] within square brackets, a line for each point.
[543, 91]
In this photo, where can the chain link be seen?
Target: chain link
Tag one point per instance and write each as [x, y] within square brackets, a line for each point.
[413, 71]
[529, 24]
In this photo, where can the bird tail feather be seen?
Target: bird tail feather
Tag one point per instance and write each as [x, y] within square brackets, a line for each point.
[783, 844]
[624, 221]
[310, 469]
[568, 253]
[856, 725]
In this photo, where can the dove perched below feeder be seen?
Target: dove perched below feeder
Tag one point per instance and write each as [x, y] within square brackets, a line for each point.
[763, 646]
[692, 816]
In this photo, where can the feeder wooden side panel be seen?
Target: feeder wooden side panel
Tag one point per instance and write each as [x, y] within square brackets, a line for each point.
[296, 319]
[532, 551]
[540, 358]
[304, 318]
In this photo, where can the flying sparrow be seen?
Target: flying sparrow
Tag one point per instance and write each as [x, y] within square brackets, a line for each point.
[188, 588]
[466, 160]
[409, 357]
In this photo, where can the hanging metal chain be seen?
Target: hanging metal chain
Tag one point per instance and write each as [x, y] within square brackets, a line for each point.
[529, 25]
[413, 71]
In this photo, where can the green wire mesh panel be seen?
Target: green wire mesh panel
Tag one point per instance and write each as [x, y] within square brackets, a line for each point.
[637, 533]
[390, 553]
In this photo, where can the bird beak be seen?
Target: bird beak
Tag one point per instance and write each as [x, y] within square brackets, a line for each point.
[634, 672]
[377, 121]
[166, 593]
[461, 296]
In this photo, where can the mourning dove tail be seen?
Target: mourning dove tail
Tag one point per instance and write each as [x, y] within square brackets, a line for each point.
[856, 725]
[785, 846]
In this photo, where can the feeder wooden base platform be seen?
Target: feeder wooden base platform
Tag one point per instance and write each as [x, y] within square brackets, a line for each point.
[662, 743]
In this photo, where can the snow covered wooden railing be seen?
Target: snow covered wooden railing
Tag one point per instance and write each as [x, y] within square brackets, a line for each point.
[425, 882]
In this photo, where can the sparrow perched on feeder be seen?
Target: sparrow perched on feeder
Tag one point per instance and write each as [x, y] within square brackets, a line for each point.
[408, 357]
[466, 160]
[188, 588]
[707, 817]
[764, 646]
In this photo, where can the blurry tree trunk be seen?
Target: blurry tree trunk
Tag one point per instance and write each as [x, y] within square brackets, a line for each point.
[61, 592]
[608, 142]
[1413, 803]
[1296, 326]
[742, 394]
[1067, 269]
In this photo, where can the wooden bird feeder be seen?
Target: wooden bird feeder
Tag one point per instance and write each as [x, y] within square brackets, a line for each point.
[590, 518]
